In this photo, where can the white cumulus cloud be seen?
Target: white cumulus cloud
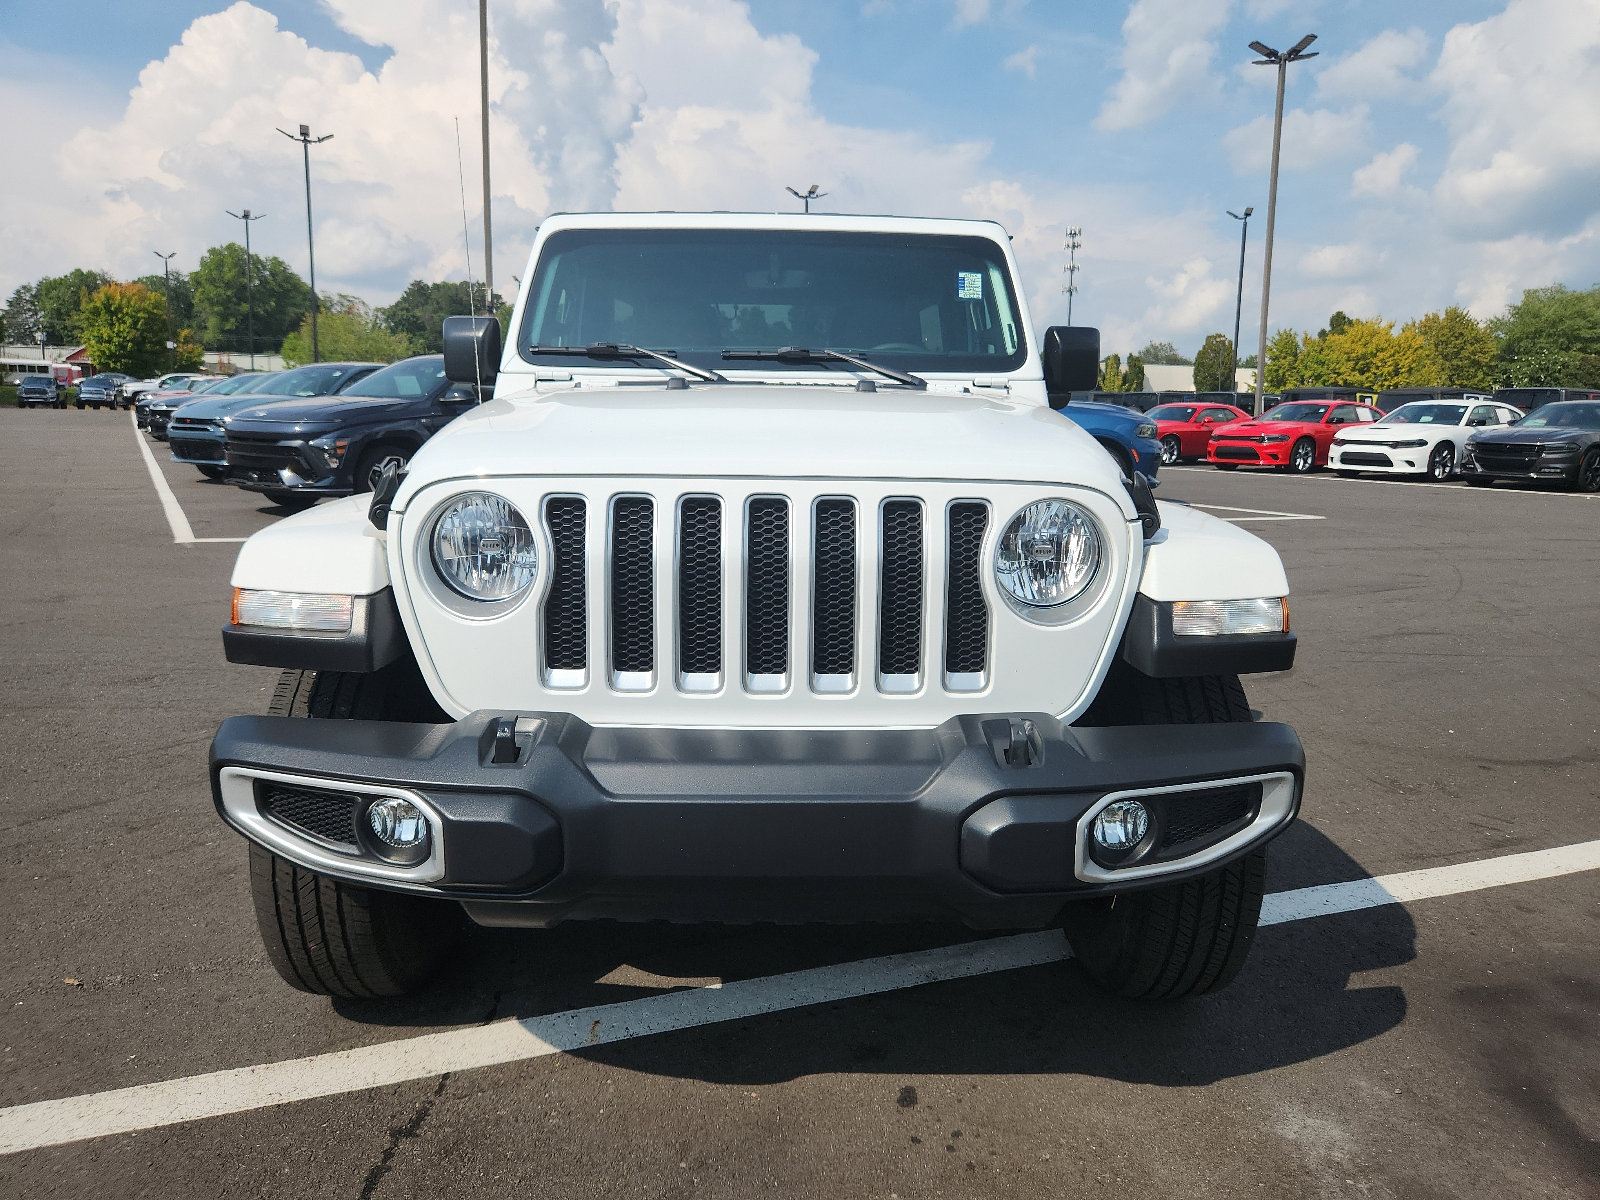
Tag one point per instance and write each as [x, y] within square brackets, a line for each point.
[1167, 48]
[1310, 139]
[1384, 173]
[1379, 68]
[1025, 61]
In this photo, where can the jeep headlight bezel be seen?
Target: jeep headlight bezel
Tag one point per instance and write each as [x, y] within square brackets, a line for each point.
[1050, 560]
[483, 550]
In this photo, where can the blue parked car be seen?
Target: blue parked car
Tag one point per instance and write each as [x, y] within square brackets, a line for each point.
[199, 429]
[1128, 436]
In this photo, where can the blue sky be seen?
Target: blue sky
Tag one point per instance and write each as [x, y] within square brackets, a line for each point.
[1435, 153]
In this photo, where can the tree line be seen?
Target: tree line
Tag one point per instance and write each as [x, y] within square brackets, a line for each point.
[125, 325]
[1549, 338]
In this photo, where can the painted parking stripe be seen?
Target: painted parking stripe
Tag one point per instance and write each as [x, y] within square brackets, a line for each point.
[182, 532]
[244, 1089]
[1255, 514]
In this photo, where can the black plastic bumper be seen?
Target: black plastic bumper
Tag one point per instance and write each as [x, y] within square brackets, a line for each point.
[769, 825]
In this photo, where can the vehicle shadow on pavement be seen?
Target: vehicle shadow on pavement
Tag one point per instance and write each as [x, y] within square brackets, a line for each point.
[1294, 1001]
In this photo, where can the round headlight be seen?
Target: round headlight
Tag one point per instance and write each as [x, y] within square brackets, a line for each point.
[483, 548]
[1049, 554]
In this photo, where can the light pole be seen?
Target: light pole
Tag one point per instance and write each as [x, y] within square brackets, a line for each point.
[807, 196]
[249, 293]
[166, 287]
[1273, 58]
[1074, 232]
[483, 83]
[1238, 305]
[306, 142]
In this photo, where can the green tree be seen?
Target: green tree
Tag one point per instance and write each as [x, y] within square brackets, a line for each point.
[222, 300]
[1283, 361]
[181, 304]
[1132, 374]
[189, 355]
[1368, 353]
[420, 310]
[60, 298]
[1462, 352]
[124, 327]
[1111, 374]
[1337, 323]
[1164, 354]
[346, 332]
[1213, 365]
[1548, 332]
[22, 319]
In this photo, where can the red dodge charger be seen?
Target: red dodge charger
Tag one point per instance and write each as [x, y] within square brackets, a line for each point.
[1293, 436]
[1185, 429]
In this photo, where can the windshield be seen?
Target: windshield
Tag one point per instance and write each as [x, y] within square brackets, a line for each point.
[1297, 412]
[912, 302]
[1426, 414]
[319, 380]
[413, 377]
[238, 384]
[1173, 412]
[1582, 416]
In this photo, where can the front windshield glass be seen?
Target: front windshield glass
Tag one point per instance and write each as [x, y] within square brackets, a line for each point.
[1297, 412]
[912, 302]
[1426, 414]
[306, 381]
[413, 377]
[1568, 414]
[1172, 412]
[238, 384]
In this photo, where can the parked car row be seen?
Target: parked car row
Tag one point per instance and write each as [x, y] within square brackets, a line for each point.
[329, 429]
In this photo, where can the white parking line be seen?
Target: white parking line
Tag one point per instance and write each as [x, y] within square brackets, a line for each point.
[244, 1089]
[182, 533]
[1258, 514]
[1404, 483]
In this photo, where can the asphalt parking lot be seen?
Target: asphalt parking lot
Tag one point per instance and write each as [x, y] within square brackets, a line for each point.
[1446, 1046]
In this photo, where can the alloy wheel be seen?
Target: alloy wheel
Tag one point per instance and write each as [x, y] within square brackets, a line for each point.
[1304, 456]
[1442, 463]
[1171, 448]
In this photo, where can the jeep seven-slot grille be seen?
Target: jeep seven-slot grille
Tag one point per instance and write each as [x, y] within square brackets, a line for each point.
[624, 592]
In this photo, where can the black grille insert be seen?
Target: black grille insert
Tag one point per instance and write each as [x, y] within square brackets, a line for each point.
[900, 610]
[833, 609]
[566, 608]
[700, 586]
[1365, 458]
[766, 587]
[966, 635]
[633, 584]
[188, 448]
[328, 816]
[1191, 821]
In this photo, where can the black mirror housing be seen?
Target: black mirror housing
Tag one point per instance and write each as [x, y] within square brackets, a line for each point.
[472, 349]
[1071, 359]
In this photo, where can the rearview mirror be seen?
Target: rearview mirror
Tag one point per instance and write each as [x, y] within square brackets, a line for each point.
[1071, 359]
[472, 349]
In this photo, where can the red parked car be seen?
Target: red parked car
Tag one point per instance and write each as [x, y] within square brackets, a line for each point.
[1294, 436]
[1184, 430]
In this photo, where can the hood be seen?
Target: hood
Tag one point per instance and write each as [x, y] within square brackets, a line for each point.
[1536, 435]
[1380, 432]
[785, 432]
[1257, 428]
[308, 414]
[214, 407]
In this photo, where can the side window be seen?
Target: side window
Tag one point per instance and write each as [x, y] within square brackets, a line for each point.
[1368, 415]
[1508, 415]
[1217, 415]
[1343, 414]
[1482, 414]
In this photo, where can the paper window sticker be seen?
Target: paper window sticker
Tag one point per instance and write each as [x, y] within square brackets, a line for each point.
[969, 285]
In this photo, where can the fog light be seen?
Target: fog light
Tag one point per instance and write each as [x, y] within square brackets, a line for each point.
[1120, 826]
[397, 823]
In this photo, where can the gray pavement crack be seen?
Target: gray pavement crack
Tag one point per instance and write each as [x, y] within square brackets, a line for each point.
[411, 1129]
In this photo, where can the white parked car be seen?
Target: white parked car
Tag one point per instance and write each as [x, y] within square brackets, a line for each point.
[1425, 437]
[767, 587]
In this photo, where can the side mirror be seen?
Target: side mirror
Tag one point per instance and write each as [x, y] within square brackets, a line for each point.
[1071, 359]
[472, 349]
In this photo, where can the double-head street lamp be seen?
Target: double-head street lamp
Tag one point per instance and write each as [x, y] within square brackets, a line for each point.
[249, 295]
[166, 286]
[1281, 60]
[306, 142]
[1238, 304]
[807, 196]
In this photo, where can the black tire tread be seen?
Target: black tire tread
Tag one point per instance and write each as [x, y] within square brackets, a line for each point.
[1182, 939]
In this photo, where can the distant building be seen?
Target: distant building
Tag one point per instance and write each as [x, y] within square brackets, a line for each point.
[1158, 377]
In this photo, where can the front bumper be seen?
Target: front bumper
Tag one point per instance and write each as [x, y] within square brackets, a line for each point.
[984, 819]
[1549, 469]
[1249, 454]
[1380, 459]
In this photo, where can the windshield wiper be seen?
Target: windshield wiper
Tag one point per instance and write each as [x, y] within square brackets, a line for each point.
[808, 354]
[623, 350]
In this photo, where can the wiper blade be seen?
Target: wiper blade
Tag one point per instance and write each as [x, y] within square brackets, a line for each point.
[809, 354]
[623, 350]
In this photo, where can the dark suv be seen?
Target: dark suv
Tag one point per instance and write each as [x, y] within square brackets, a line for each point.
[40, 391]
[294, 451]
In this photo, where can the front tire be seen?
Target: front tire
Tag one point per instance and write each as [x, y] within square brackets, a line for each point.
[1181, 939]
[1588, 477]
[374, 461]
[1442, 462]
[333, 938]
[1171, 449]
[1303, 457]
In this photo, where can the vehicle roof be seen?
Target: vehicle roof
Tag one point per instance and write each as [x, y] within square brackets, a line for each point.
[803, 222]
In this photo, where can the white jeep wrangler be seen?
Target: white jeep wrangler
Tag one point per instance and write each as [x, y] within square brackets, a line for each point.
[767, 587]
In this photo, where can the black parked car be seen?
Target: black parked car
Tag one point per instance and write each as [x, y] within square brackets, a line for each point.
[1559, 442]
[100, 391]
[294, 451]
